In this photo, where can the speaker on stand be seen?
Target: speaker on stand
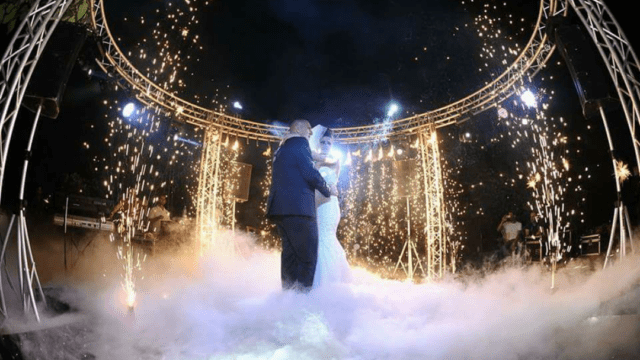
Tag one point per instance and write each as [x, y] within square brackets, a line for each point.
[49, 78]
[240, 184]
[403, 171]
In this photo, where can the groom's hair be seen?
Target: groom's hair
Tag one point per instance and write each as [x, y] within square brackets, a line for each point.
[297, 124]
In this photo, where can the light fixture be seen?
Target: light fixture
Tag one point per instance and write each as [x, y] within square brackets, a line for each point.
[128, 110]
[528, 98]
[393, 109]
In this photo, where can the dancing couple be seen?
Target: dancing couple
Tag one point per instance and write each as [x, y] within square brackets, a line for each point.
[303, 203]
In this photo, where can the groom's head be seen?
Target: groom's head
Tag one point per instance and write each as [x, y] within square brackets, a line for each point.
[301, 127]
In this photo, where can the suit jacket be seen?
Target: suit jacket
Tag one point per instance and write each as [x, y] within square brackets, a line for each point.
[294, 181]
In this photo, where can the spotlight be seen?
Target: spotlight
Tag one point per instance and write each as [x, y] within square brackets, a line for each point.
[237, 105]
[393, 108]
[503, 113]
[336, 154]
[466, 137]
[528, 98]
[186, 141]
[128, 109]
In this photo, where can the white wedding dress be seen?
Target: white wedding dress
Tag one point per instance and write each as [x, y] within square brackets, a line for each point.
[332, 265]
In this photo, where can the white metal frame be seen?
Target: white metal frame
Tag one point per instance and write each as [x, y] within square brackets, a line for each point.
[16, 68]
[530, 61]
[19, 61]
[436, 244]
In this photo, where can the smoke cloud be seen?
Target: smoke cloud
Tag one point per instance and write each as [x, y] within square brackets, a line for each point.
[222, 306]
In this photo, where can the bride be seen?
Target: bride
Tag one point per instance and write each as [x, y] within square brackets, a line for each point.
[332, 265]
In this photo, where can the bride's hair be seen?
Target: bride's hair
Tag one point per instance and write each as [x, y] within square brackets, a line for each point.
[328, 134]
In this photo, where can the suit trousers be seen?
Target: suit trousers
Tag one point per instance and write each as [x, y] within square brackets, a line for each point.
[299, 236]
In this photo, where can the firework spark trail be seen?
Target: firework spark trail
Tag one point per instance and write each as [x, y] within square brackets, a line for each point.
[136, 172]
[548, 172]
[163, 54]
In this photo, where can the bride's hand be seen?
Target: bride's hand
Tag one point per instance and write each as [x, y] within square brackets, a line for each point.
[317, 157]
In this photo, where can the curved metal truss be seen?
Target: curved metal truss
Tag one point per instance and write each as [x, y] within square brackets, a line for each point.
[19, 61]
[17, 65]
[527, 64]
[618, 56]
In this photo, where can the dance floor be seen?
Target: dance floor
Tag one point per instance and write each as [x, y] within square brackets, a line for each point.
[232, 307]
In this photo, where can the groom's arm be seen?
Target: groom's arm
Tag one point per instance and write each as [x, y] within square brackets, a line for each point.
[309, 173]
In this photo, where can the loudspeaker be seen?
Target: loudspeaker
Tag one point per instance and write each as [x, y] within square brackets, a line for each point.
[51, 74]
[403, 172]
[589, 75]
[240, 180]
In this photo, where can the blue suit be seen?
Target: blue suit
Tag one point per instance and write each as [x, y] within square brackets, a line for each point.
[292, 206]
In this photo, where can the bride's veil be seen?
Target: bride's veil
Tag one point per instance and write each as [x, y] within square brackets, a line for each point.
[316, 135]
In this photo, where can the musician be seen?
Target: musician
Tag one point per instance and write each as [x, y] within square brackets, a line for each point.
[511, 230]
[158, 214]
[128, 211]
[534, 228]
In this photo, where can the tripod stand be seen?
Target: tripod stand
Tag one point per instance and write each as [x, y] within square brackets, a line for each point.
[26, 266]
[410, 248]
[620, 216]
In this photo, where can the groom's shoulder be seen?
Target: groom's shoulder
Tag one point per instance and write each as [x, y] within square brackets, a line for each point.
[297, 142]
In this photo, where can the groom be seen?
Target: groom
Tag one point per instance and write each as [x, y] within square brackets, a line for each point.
[292, 206]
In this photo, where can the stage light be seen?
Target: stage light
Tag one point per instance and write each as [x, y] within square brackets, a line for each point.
[237, 105]
[393, 108]
[128, 109]
[528, 98]
[466, 137]
[336, 154]
[503, 113]
[186, 141]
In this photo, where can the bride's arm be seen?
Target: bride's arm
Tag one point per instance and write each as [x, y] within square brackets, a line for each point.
[320, 199]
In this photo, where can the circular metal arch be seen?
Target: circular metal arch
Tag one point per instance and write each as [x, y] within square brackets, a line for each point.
[18, 63]
[531, 60]
[19, 60]
[619, 58]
